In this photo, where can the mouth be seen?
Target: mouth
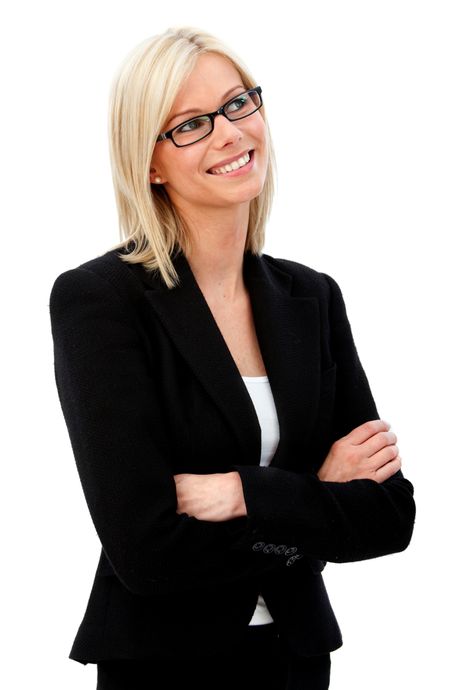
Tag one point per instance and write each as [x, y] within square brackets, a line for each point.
[243, 168]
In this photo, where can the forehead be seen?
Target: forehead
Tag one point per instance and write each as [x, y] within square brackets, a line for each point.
[211, 77]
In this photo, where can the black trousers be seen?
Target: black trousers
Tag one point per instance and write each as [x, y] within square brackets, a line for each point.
[262, 663]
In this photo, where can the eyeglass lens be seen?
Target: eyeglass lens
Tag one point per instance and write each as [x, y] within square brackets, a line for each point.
[197, 128]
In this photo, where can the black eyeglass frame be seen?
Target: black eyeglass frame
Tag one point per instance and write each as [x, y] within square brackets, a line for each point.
[212, 116]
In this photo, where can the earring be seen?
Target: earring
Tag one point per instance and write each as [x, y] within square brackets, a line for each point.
[157, 179]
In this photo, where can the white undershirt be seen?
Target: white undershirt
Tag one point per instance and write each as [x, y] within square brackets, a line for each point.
[261, 394]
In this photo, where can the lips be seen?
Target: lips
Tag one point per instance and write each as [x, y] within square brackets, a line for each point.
[231, 160]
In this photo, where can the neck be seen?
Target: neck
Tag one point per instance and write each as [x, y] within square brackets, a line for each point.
[216, 259]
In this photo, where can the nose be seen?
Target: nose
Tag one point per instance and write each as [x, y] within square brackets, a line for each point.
[223, 127]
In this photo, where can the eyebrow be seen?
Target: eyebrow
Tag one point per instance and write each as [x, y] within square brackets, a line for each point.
[196, 110]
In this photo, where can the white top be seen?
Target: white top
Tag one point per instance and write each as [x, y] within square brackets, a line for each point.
[261, 394]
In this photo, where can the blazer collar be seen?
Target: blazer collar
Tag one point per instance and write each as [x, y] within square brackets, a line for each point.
[287, 328]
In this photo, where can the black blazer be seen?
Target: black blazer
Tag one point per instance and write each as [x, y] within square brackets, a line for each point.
[149, 389]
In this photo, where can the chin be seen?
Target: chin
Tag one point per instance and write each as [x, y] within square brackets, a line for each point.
[244, 196]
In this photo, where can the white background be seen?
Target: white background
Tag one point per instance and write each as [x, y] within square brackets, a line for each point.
[357, 96]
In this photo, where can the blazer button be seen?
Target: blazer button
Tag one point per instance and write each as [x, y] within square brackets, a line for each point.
[258, 545]
[269, 548]
[291, 550]
[292, 560]
[280, 549]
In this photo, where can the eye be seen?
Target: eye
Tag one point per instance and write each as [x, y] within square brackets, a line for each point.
[238, 102]
[193, 125]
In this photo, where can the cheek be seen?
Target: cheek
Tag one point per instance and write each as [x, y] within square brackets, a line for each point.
[186, 164]
[175, 163]
[260, 127]
[259, 135]
[260, 138]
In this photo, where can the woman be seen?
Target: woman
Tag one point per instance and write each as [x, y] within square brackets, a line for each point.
[224, 431]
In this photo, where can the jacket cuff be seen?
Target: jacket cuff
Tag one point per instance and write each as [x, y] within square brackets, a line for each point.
[262, 534]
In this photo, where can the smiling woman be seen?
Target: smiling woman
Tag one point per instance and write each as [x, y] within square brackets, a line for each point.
[189, 169]
[224, 431]
[204, 76]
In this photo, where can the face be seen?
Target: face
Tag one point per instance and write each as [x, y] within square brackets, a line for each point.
[186, 171]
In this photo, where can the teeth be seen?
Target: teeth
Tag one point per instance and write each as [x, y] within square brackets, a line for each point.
[234, 165]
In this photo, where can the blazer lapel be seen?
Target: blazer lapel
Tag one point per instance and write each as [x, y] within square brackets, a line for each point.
[287, 328]
[288, 331]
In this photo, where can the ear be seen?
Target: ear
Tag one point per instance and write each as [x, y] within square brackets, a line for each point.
[153, 177]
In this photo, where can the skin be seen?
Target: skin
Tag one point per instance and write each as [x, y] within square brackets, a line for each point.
[216, 211]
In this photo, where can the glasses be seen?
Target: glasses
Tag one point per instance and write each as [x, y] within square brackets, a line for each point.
[199, 127]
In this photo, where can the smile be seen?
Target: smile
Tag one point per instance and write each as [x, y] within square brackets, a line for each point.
[242, 165]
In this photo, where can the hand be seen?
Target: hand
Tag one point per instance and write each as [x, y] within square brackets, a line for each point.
[213, 497]
[367, 452]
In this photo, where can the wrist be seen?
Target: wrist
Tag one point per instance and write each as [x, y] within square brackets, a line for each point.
[238, 507]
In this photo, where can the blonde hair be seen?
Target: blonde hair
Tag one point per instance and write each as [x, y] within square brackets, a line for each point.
[141, 97]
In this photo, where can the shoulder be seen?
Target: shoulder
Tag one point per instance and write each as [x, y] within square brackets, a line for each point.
[105, 274]
[307, 281]
[311, 283]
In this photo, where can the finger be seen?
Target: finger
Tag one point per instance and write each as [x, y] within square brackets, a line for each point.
[366, 430]
[388, 470]
[385, 455]
[181, 477]
[378, 442]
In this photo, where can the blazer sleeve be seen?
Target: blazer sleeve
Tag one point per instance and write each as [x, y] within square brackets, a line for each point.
[104, 383]
[333, 521]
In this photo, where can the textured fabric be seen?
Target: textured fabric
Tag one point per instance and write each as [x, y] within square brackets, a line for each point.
[261, 663]
[149, 389]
